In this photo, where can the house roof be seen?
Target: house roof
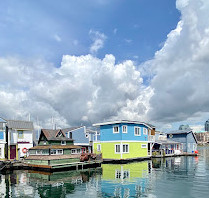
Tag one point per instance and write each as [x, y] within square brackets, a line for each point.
[125, 122]
[179, 131]
[71, 129]
[19, 124]
[164, 142]
[2, 120]
[182, 132]
[51, 134]
[42, 147]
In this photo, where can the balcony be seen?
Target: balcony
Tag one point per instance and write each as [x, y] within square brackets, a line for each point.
[151, 138]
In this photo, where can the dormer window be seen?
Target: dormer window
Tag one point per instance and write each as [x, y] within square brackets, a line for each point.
[59, 134]
[63, 142]
[116, 129]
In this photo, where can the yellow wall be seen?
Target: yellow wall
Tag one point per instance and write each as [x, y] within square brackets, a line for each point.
[108, 150]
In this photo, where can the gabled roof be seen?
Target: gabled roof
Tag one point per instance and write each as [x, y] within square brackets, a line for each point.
[71, 129]
[179, 131]
[124, 122]
[53, 135]
[2, 120]
[182, 132]
[18, 124]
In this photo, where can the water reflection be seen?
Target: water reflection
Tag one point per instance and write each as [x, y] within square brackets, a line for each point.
[125, 180]
[169, 177]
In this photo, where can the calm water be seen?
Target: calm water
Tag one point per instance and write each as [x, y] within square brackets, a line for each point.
[171, 177]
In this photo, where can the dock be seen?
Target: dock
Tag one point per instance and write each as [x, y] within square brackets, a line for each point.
[21, 165]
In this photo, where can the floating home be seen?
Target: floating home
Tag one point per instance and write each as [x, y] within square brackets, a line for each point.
[186, 137]
[16, 137]
[124, 140]
[53, 148]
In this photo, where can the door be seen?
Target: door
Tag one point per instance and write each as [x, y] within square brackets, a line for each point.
[12, 151]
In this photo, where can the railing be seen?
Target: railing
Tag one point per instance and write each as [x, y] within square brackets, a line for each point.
[151, 138]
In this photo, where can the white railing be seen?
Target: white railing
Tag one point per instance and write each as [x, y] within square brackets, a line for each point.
[151, 138]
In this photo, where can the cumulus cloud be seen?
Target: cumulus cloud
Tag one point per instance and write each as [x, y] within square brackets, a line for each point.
[180, 69]
[83, 90]
[98, 39]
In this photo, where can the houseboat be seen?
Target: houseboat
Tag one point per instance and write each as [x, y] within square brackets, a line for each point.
[124, 140]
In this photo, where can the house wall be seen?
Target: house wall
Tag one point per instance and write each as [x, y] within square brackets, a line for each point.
[187, 140]
[108, 150]
[179, 138]
[106, 133]
[191, 143]
[27, 136]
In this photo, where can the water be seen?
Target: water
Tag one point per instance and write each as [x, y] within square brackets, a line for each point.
[180, 177]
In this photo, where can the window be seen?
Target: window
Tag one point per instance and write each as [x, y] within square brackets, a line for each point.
[145, 131]
[98, 147]
[144, 145]
[117, 148]
[137, 131]
[39, 152]
[53, 152]
[56, 151]
[116, 129]
[60, 152]
[20, 134]
[45, 152]
[124, 129]
[63, 142]
[0, 152]
[66, 134]
[44, 141]
[73, 151]
[59, 134]
[125, 148]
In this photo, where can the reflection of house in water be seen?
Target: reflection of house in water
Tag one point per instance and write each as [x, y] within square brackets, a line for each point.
[125, 180]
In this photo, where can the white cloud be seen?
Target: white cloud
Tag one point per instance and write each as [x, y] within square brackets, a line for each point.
[98, 39]
[84, 89]
[180, 68]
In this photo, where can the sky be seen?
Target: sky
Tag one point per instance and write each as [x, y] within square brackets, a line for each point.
[83, 62]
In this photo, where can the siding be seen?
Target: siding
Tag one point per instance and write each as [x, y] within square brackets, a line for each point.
[106, 133]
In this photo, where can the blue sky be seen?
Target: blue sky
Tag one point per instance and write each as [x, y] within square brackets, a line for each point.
[134, 29]
[97, 60]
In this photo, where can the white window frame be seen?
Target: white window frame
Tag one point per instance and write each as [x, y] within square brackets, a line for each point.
[56, 152]
[39, 153]
[145, 131]
[117, 152]
[114, 129]
[73, 151]
[99, 147]
[143, 145]
[125, 148]
[63, 142]
[139, 131]
[126, 127]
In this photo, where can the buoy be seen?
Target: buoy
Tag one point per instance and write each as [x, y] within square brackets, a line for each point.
[196, 151]
[24, 150]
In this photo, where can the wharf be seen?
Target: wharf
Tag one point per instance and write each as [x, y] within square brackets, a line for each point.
[21, 165]
[124, 161]
[174, 155]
